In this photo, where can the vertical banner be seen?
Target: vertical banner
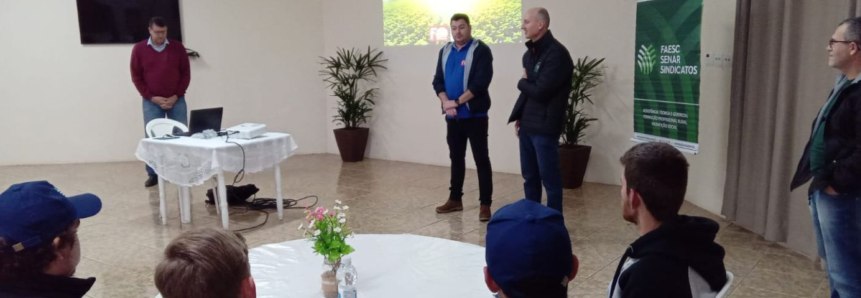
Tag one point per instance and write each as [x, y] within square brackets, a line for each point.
[667, 73]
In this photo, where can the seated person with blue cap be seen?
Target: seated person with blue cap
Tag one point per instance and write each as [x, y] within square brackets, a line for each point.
[39, 247]
[529, 252]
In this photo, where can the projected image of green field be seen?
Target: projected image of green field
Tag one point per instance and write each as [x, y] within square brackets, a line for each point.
[427, 22]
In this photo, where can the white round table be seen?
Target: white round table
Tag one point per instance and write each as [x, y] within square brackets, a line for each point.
[388, 265]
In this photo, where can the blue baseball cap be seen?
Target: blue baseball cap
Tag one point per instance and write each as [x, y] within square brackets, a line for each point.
[528, 240]
[36, 212]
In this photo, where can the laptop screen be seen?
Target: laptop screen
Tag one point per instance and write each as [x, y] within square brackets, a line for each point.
[204, 119]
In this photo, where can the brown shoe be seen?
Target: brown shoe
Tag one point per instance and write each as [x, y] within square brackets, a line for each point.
[450, 206]
[484, 213]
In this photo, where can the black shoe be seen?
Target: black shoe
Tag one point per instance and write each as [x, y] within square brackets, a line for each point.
[152, 181]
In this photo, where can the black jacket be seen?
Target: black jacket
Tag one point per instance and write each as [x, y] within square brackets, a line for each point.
[662, 259]
[478, 81]
[842, 147]
[544, 93]
[46, 286]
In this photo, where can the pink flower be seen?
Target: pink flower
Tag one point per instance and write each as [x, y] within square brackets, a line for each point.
[331, 213]
[320, 216]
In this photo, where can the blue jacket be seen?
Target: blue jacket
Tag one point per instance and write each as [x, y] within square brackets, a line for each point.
[477, 77]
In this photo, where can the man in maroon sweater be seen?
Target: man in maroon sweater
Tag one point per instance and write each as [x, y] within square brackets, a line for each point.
[160, 71]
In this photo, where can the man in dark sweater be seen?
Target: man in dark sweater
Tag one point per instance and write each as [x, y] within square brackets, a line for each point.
[160, 71]
[832, 159]
[676, 255]
[463, 73]
[540, 110]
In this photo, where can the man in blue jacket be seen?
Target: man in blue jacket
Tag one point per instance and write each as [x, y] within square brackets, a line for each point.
[463, 73]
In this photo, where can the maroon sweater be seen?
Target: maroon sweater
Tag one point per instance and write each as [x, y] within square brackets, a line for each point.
[162, 74]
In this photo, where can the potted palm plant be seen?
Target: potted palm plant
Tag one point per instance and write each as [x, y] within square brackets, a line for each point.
[346, 74]
[573, 155]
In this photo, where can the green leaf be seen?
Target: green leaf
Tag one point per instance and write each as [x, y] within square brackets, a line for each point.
[343, 73]
[587, 74]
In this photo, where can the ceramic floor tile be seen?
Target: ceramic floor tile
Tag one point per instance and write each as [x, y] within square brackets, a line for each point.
[741, 261]
[792, 264]
[781, 282]
[590, 288]
[824, 290]
[755, 293]
[738, 237]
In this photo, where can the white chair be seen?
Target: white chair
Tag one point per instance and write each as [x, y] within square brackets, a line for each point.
[157, 128]
[725, 290]
[163, 126]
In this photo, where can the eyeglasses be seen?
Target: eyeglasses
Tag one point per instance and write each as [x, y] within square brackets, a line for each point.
[832, 42]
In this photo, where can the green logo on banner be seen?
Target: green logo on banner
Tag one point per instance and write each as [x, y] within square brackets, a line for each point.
[646, 59]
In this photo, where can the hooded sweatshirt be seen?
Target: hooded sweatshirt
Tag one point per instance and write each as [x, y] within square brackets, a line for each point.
[678, 259]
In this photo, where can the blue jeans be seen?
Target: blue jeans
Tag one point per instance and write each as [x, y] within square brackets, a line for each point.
[539, 163]
[837, 222]
[152, 111]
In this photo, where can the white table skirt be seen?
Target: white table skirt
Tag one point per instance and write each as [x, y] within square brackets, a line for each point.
[388, 265]
[190, 162]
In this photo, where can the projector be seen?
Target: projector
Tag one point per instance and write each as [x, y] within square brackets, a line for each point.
[247, 130]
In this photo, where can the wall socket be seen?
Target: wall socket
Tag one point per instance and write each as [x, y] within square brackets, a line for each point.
[718, 60]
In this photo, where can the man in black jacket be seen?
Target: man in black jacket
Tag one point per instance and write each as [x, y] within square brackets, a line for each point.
[676, 255]
[39, 246]
[832, 159]
[540, 110]
[463, 73]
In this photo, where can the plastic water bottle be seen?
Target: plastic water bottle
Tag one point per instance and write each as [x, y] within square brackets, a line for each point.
[347, 278]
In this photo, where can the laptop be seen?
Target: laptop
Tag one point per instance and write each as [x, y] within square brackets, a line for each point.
[203, 119]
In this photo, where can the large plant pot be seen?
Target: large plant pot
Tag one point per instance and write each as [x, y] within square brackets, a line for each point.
[352, 143]
[573, 160]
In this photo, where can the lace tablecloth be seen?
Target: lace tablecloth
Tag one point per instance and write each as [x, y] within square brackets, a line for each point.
[190, 162]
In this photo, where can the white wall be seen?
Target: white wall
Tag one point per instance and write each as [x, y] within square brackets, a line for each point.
[407, 125]
[708, 168]
[260, 61]
[63, 102]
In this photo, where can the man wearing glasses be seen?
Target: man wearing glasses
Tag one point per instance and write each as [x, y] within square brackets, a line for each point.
[832, 159]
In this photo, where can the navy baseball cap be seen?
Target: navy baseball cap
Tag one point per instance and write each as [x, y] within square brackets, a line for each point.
[36, 212]
[528, 240]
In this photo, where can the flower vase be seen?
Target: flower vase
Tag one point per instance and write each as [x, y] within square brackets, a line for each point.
[329, 279]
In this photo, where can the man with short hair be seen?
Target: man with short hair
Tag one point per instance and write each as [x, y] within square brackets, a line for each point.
[161, 73]
[528, 252]
[540, 110]
[463, 73]
[209, 262]
[39, 246]
[676, 255]
[832, 159]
